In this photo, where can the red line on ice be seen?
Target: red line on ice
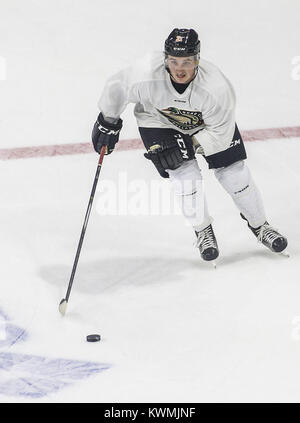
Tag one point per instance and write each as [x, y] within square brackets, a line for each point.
[131, 144]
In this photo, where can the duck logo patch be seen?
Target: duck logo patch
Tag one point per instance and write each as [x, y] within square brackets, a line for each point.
[183, 119]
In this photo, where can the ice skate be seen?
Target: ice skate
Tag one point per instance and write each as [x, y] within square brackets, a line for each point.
[269, 237]
[207, 244]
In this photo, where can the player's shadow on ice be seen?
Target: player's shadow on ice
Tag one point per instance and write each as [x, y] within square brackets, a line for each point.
[115, 273]
[248, 256]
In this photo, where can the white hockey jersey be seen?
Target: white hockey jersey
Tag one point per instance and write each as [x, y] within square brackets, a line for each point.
[207, 106]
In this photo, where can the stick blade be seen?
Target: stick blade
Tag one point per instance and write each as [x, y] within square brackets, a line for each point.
[63, 306]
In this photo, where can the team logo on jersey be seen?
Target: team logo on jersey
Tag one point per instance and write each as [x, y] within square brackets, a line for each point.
[183, 119]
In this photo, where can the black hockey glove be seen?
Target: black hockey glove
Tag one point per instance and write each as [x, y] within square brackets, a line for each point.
[169, 158]
[105, 133]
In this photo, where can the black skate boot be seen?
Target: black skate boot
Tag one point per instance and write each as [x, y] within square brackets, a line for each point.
[207, 244]
[269, 237]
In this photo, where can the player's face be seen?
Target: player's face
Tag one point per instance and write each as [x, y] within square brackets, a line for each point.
[182, 69]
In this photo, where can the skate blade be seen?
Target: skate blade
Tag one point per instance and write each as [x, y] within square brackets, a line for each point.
[214, 264]
[285, 254]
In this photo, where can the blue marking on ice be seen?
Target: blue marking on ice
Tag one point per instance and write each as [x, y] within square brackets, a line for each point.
[35, 376]
[13, 334]
[9, 333]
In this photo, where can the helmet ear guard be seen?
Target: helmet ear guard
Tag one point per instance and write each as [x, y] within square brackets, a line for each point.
[197, 59]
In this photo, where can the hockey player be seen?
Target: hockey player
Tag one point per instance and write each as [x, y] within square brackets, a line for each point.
[183, 106]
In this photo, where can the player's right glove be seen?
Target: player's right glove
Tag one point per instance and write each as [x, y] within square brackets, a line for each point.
[105, 133]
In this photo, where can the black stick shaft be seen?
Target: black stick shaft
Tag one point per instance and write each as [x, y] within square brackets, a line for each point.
[86, 219]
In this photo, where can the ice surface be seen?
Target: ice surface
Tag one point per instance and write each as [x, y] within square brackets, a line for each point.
[172, 327]
[169, 322]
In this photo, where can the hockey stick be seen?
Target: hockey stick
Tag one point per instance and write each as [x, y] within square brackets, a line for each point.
[64, 302]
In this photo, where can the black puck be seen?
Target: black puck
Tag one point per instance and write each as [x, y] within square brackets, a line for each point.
[93, 338]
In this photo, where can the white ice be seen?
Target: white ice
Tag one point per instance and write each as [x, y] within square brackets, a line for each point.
[173, 328]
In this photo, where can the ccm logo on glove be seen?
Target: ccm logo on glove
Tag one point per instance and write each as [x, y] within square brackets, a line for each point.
[106, 134]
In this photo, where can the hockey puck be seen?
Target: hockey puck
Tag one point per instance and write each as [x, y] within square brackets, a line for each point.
[93, 338]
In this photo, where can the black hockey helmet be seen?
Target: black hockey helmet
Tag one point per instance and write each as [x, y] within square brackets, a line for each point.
[182, 43]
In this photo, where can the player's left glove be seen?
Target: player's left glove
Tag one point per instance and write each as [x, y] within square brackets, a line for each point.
[105, 133]
[164, 158]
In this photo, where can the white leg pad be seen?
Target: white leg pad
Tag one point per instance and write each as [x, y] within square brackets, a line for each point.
[236, 179]
[187, 185]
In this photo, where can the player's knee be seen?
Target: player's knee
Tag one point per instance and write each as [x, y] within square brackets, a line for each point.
[187, 179]
[235, 178]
